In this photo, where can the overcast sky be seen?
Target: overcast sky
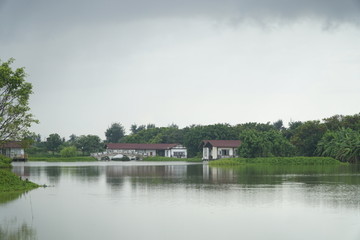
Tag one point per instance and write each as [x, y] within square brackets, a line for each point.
[186, 62]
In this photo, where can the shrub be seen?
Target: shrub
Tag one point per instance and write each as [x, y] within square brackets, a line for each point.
[68, 151]
[5, 162]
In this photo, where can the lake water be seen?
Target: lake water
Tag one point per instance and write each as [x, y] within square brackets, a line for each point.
[148, 201]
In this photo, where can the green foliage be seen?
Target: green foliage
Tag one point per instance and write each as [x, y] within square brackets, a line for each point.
[15, 118]
[337, 122]
[343, 144]
[115, 133]
[53, 142]
[68, 151]
[264, 144]
[89, 143]
[170, 159]
[276, 161]
[9, 182]
[307, 136]
[5, 162]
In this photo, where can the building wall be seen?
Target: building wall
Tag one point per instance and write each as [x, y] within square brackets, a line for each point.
[14, 152]
[217, 153]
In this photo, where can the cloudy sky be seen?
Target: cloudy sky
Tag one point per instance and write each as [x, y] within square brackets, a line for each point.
[186, 62]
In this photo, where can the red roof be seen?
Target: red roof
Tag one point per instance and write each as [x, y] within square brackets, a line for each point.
[223, 143]
[141, 146]
[11, 144]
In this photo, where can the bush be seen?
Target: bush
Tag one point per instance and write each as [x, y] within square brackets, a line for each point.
[68, 152]
[5, 162]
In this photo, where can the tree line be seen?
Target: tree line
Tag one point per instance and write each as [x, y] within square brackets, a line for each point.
[337, 136]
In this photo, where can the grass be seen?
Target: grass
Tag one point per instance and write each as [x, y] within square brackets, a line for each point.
[5, 162]
[62, 159]
[170, 159]
[9, 182]
[280, 161]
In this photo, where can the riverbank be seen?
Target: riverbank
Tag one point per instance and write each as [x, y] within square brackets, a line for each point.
[279, 161]
[62, 159]
[170, 159]
[9, 182]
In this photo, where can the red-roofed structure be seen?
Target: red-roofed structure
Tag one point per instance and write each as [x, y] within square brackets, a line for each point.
[13, 150]
[216, 149]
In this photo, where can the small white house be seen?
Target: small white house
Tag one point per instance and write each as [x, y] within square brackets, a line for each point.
[13, 150]
[144, 149]
[216, 149]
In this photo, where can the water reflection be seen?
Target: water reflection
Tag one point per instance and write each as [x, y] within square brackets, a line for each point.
[8, 197]
[181, 200]
[12, 230]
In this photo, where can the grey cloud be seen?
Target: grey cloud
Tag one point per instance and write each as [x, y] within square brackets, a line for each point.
[68, 12]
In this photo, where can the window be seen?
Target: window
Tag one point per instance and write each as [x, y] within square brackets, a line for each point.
[225, 152]
[179, 154]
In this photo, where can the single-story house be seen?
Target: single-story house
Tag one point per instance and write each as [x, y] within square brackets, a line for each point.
[216, 149]
[13, 150]
[145, 149]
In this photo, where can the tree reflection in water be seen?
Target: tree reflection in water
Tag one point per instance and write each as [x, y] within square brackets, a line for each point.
[11, 230]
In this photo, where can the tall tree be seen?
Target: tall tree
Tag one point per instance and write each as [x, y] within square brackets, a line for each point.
[307, 136]
[343, 144]
[53, 142]
[89, 143]
[115, 133]
[15, 118]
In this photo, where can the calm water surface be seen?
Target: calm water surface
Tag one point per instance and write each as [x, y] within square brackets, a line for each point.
[138, 200]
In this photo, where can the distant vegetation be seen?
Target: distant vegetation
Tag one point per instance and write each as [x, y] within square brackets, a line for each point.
[277, 161]
[336, 137]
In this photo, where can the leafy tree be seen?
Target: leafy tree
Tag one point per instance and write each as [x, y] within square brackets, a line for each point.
[53, 142]
[72, 139]
[343, 144]
[150, 126]
[307, 136]
[264, 144]
[68, 151]
[115, 133]
[290, 131]
[15, 118]
[337, 122]
[89, 144]
[279, 125]
[135, 129]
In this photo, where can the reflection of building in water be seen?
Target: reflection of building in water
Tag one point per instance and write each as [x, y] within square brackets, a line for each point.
[21, 171]
[218, 175]
[146, 171]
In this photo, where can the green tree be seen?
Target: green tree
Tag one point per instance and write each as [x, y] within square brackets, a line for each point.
[343, 144]
[89, 144]
[115, 133]
[271, 143]
[135, 128]
[53, 142]
[68, 151]
[307, 136]
[15, 118]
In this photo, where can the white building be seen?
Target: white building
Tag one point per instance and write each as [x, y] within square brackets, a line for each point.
[216, 149]
[13, 150]
[144, 149]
